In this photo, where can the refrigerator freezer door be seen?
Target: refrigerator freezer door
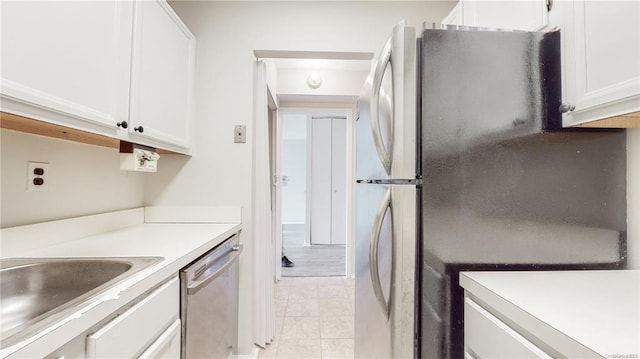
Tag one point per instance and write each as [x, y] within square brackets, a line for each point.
[374, 139]
[373, 226]
[480, 87]
[385, 129]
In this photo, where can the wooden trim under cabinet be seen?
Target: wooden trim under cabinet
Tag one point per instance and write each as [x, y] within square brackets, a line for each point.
[629, 120]
[18, 123]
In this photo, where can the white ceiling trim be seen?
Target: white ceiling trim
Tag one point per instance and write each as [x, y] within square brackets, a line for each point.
[318, 55]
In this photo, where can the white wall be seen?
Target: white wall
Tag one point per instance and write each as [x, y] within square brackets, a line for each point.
[633, 197]
[83, 180]
[227, 33]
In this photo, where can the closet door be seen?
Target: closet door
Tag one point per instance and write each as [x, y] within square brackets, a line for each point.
[320, 181]
[338, 181]
[328, 163]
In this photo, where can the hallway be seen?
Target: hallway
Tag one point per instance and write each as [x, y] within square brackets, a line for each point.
[310, 260]
[314, 319]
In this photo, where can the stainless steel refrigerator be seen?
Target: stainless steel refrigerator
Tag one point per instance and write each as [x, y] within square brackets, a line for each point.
[463, 164]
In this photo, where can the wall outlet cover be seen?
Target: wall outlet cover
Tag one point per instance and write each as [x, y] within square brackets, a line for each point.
[240, 134]
[38, 176]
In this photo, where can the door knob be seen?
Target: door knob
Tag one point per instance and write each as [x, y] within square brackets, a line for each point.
[139, 129]
[122, 124]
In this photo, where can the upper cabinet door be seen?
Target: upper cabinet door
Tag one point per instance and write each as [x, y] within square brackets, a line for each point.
[530, 15]
[162, 77]
[455, 17]
[67, 62]
[602, 51]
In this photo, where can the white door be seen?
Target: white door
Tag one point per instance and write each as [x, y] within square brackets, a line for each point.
[602, 48]
[531, 15]
[162, 76]
[338, 181]
[328, 180]
[67, 62]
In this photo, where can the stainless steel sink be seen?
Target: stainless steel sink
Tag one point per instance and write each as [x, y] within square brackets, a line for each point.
[35, 293]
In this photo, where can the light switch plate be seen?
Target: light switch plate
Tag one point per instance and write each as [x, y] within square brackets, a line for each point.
[240, 134]
[38, 172]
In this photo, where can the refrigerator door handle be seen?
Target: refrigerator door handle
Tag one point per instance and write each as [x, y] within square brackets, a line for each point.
[373, 255]
[383, 154]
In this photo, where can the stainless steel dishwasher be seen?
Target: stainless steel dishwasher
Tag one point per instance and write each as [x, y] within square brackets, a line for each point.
[209, 302]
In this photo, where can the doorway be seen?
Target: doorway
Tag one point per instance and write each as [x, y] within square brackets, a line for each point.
[314, 192]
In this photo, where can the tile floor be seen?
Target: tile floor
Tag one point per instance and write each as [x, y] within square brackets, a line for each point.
[314, 319]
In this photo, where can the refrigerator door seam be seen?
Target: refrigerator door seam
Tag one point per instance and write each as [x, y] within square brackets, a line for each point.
[393, 181]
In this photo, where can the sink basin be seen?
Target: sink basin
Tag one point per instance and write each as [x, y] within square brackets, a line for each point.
[37, 292]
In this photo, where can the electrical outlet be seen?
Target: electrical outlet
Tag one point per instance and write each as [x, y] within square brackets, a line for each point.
[240, 134]
[38, 176]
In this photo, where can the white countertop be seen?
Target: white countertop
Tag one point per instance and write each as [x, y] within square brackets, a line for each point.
[179, 244]
[571, 310]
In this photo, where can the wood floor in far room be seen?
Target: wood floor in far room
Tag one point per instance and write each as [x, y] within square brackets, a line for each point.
[314, 319]
[313, 260]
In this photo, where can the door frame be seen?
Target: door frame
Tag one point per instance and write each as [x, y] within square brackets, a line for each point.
[348, 110]
[275, 166]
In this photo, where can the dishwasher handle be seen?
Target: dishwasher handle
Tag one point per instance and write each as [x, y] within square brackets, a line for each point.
[197, 285]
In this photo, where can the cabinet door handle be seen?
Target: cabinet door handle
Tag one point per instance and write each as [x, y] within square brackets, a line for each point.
[139, 129]
[123, 124]
[566, 107]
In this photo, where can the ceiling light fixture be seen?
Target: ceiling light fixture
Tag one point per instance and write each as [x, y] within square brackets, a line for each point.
[314, 81]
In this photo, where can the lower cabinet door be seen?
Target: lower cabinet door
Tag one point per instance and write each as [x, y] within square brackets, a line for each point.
[132, 332]
[167, 345]
[486, 336]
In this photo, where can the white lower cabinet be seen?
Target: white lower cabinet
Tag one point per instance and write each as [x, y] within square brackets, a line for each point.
[147, 329]
[167, 345]
[486, 336]
[74, 349]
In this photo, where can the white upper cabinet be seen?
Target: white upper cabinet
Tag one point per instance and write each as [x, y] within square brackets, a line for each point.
[67, 62]
[602, 50]
[162, 77]
[527, 15]
[455, 17]
[122, 69]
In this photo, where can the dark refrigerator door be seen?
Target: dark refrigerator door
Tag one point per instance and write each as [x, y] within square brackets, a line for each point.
[500, 190]
[479, 87]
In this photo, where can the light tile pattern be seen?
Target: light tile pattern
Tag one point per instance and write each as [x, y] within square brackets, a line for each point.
[314, 319]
